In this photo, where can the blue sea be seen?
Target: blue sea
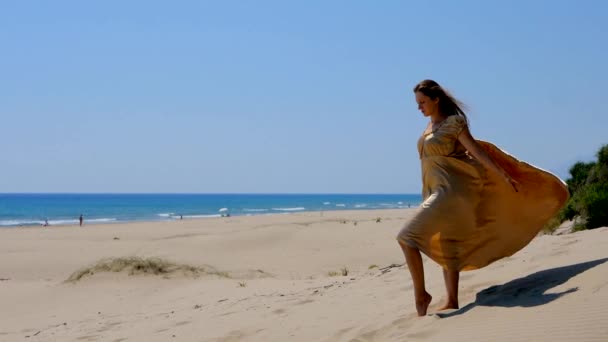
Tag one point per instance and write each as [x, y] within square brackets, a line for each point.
[64, 209]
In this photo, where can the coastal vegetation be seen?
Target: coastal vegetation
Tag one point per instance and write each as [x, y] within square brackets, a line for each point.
[588, 187]
[145, 266]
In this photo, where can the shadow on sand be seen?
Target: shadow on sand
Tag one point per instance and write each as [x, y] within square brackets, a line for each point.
[527, 291]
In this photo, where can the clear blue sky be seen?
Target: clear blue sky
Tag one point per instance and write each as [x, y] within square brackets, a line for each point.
[285, 96]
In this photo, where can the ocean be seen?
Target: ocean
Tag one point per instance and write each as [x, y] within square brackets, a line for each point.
[64, 209]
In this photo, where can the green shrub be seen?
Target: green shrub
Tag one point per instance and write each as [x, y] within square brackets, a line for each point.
[568, 213]
[588, 186]
[595, 201]
[579, 173]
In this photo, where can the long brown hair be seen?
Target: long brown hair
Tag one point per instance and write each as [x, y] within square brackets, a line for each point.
[448, 104]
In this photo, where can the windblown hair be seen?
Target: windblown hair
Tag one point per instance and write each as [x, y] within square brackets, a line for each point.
[448, 104]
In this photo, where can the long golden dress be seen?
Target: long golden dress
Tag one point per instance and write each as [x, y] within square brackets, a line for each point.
[470, 216]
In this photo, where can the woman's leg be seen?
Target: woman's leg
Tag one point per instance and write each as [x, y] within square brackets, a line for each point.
[451, 286]
[414, 263]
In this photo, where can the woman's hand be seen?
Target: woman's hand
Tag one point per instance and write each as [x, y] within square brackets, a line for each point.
[513, 183]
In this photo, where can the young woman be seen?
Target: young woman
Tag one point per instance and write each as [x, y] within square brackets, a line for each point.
[480, 204]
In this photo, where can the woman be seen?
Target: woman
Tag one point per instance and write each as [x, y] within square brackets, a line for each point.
[480, 204]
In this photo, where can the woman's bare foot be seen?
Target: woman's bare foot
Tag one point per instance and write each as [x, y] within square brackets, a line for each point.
[449, 305]
[422, 303]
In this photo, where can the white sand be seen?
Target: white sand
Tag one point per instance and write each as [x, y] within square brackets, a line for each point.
[556, 289]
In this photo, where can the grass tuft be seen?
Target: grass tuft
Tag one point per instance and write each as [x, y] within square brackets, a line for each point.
[343, 272]
[144, 266]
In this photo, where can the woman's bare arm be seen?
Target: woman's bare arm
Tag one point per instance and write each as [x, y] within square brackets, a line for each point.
[476, 151]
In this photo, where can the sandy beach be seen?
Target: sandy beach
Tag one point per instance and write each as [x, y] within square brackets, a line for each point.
[315, 276]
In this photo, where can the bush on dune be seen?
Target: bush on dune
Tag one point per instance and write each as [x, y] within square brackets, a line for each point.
[144, 266]
[588, 187]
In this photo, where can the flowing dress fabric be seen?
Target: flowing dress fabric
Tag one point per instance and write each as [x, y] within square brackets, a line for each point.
[470, 216]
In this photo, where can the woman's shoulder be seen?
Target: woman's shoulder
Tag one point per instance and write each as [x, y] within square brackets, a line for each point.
[456, 120]
[454, 124]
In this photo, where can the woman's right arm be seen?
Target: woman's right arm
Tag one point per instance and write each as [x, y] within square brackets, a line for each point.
[466, 139]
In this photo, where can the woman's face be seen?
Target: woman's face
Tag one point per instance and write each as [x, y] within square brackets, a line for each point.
[427, 106]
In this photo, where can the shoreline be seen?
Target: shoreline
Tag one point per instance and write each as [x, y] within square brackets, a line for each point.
[31, 210]
[194, 219]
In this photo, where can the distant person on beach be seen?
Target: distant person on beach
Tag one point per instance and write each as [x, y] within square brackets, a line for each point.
[46, 223]
[81, 220]
[479, 203]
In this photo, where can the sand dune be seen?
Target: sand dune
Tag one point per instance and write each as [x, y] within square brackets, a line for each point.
[332, 276]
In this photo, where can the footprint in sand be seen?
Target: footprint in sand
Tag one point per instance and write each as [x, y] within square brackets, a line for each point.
[340, 334]
[466, 276]
[306, 301]
[108, 326]
[570, 242]
[443, 313]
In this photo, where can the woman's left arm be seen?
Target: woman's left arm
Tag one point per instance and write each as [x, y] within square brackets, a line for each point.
[476, 151]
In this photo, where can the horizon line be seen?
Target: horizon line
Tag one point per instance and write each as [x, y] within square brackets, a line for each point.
[205, 193]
